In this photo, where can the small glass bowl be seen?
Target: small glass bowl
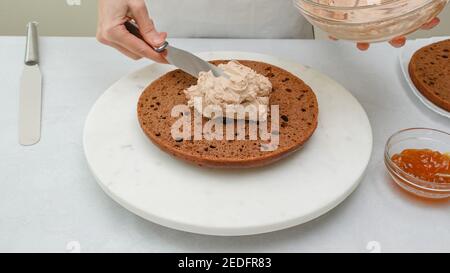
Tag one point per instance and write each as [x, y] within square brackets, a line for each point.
[369, 20]
[417, 138]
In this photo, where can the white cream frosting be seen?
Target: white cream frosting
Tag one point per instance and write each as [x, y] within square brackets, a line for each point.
[244, 87]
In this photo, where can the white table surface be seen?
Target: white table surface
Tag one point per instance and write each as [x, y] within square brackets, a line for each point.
[49, 201]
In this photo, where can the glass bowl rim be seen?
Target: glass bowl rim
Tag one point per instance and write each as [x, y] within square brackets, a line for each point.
[367, 7]
[416, 182]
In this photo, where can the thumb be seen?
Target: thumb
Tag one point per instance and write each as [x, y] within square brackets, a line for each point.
[147, 27]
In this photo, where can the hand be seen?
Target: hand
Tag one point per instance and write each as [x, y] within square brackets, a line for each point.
[399, 41]
[112, 32]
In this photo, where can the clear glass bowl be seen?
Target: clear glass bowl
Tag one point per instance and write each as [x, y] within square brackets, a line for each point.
[369, 20]
[417, 138]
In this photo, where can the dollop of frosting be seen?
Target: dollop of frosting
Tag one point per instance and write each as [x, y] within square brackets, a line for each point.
[243, 87]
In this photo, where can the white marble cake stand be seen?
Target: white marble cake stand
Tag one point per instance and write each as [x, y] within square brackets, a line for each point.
[164, 190]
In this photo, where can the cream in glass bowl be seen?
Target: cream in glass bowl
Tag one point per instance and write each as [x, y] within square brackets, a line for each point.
[369, 20]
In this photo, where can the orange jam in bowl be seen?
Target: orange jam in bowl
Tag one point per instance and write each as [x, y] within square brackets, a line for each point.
[418, 161]
[425, 164]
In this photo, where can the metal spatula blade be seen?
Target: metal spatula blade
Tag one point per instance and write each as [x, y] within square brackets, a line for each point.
[182, 59]
[190, 63]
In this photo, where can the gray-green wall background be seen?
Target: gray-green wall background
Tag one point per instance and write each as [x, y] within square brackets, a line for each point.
[78, 18]
[55, 17]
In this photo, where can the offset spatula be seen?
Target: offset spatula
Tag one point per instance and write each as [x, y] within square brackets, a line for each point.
[182, 59]
[30, 100]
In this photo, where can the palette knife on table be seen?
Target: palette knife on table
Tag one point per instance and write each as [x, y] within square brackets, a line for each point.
[182, 59]
[30, 101]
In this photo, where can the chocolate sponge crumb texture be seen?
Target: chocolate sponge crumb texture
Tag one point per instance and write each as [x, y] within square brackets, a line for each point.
[429, 70]
[298, 119]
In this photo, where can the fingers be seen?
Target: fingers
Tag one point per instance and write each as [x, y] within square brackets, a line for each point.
[363, 46]
[133, 47]
[126, 52]
[360, 46]
[398, 42]
[118, 47]
[431, 24]
[333, 38]
[146, 25]
[112, 31]
[401, 41]
[120, 36]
